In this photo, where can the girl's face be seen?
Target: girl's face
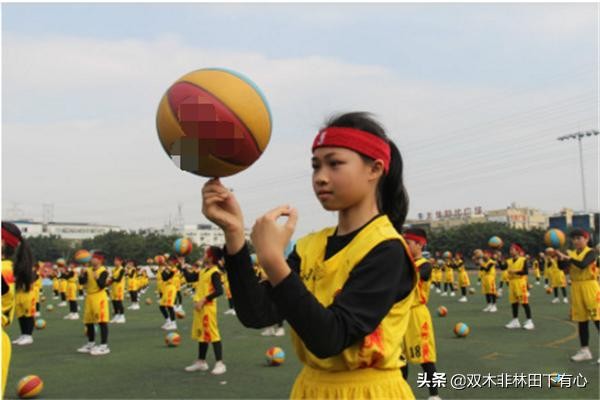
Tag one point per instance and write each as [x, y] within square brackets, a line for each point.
[579, 242]
[341, 178]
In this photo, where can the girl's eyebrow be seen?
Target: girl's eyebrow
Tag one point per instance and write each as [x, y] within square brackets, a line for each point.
[326, 156]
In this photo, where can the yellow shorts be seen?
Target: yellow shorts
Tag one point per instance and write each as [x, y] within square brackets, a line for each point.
[449, 276]
[132, 286]
[585, 301]
[62, 285]
[518, 291]
[6, 350]
[364, 383]
[117, 292]
[168, 296]
[25, 304]
[72, 291]
[204, 327]
[419, 341]
[488, 284]
[55, 284]
[536, 273]
[463, 279]
[558, 279]
[504, 276]
[95, 309]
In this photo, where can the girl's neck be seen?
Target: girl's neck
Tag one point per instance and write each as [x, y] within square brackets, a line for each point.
[356, 216]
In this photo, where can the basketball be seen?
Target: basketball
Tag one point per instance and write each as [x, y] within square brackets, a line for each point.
[471, 290]
[447, 254]
[461, 329]
[40, 323]
[549, 290]
[554, 238]
[555, 379]
[275, 356]
[49, 307]
[82, 256]
[148, 301]
[172, 339]
[213, 122]
[183, 246]
[495, 242]
[160, 259]
[180, 314]
[442, 311]
[29, 387]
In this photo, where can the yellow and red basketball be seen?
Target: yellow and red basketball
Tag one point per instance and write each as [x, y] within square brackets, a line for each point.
[214, 122]
[442, 311]
[180, 314]
[275, 356]
[549, 290]
[172, 339]
[82, 256]
[29, 387]
[183, 246]
[555, 238]
[160, 259]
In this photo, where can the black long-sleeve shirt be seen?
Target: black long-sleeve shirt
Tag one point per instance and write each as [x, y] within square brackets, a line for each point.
[190, 276]
[119, 277]
[587, 260]
[100, 281]
[425, 271]
[504, 265]
[215, 278]
[384, 277]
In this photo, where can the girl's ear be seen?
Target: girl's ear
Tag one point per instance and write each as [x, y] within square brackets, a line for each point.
[377, 168]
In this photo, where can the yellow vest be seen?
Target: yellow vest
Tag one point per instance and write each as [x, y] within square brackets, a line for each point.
[8, 299]
[325, 278]
[91, 286]
[116, 272]
[423, 287]
[582, 274]
[74, 278]
[204, 286]
[515, 266]
[492, 265]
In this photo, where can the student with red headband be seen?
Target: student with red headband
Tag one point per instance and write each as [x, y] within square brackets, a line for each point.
[95, 279]
[517, 267]
[346, 290]
[463, 276]
[581, 264]
[419, 341]
[17, 271]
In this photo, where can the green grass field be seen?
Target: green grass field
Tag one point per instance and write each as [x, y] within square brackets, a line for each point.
[141, 366]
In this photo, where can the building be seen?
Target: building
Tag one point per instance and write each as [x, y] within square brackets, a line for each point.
[207, 234]
[519, 217]
[66, 230]
[448, 218]
[567, 219]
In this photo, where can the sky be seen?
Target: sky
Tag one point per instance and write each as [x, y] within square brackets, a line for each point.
[474, 95]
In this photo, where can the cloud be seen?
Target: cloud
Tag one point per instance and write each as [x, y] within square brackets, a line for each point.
[79, 130]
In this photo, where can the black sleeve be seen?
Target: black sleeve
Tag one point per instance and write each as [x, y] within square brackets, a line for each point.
[70, 274]
[587, 260]
[502, 265]
[101, 281]
[254, 307]
[190, 276]
[384, 277]
[215, 278]
[525, 268]
[167, 274]
[425, 271]
[564, 264]
[83, 277]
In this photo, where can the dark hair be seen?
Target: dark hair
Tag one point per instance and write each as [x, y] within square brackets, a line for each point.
[216, 253]
[22, 257]
[392, 198]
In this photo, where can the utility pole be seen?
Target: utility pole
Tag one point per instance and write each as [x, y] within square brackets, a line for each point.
[580, 135]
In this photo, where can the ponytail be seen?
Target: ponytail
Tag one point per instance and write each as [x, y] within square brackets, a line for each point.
[392, 198]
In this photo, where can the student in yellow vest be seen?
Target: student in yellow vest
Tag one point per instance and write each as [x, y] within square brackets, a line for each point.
[167, 300]
[160, 267]
[537, 268]
[62, 285]
[117, 290]
[205, 328]
[504, 278]
[132, 284]
[72, 278]
[178, 280]
[25, 309]
[346, 291]
[463, 276]
[96, 310]
[487, 266]
[54, 276]
[448, 270]
[436, 275]
[419, 341]
[582, 266]
[516, 267]
[545, 270]
[225, 281]
[557, 276]
[16, 275]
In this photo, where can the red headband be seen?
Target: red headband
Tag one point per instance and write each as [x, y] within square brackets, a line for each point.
[10, 239]
[517, 247]
[415, 238]
[362, 142]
